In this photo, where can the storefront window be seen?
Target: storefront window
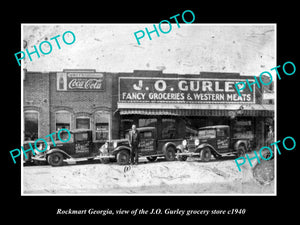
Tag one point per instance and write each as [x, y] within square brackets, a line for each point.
[148, 122]
[102, 131]
[82, 123]
[102, 119]
[243, 128]
[125, 126]
[62, 120]
[31, 125]
[168, 128]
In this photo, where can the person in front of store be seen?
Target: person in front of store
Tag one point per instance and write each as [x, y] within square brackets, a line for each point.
[269, 141]
[134, 141]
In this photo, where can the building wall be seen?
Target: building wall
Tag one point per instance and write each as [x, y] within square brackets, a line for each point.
[81, 103]
[254, 130]
[41, 96]
[115, 132]
[260, 132]
[36, 98]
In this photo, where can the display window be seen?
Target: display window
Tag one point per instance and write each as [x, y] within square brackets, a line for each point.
[243, 128]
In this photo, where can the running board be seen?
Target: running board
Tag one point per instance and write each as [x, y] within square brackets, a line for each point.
[187, 153]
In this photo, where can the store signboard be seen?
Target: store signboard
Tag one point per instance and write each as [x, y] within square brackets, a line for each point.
[268, 96]
[80, 81]
[183, 90]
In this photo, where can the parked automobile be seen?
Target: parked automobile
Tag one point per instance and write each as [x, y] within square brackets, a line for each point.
[150, 147]
[28, 158]
[79, 147]
[212, 140]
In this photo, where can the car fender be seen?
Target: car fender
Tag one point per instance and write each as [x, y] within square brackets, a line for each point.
[166, 145]
[66, 155]
[203, 145]
[119, 148]
[240, 142]
[180, 148]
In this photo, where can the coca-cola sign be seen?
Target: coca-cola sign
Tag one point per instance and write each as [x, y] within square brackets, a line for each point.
[79, 81]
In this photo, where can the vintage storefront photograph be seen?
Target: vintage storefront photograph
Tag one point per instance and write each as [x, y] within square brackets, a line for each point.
[160, 118]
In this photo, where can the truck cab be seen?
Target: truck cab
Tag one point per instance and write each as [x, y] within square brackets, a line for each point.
[150, 147]
[212, 140]
[79, 147]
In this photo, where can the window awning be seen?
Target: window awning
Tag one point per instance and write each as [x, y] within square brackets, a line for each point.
[195, 109]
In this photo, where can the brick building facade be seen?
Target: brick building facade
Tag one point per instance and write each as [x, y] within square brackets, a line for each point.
[178, 104]
[108, 103]
[49, 107]
[36, 105]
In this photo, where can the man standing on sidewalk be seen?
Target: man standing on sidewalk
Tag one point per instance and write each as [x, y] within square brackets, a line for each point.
[134, 140]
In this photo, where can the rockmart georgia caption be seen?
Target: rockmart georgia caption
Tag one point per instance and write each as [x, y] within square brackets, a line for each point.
[157, 211]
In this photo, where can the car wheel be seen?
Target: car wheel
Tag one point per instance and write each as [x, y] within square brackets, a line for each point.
[182, 157]
[151, 158]
[267, 155]
[170, 153]
[123, 157]
[55, 159]
[241, 151]
[217, 156]
[104, 160]
[205, 154]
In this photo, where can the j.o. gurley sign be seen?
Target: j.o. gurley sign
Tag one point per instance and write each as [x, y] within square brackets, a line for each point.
[182, 90]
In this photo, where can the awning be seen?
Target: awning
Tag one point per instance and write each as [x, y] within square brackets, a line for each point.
[195, 109]
[193, 112]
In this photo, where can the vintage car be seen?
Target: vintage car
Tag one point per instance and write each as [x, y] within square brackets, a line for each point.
[212, 140]
[150, 147]
[79, 147]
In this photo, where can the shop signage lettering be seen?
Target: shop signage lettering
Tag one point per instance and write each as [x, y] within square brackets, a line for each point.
[182, 90]
[80, 82]
[242, 85]
[146, 146]
[238, 164]
[82, 148]
[85, 84]
[164, 31]
[45, 47]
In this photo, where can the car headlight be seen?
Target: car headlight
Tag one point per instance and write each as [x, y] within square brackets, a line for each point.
[103, 149]
[115, 144]
[184, 143]
[40, 147]
[106, 145]
[197, 142]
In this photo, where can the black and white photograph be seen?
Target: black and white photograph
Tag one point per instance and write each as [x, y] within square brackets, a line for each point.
[172, 108]
[133, 112]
